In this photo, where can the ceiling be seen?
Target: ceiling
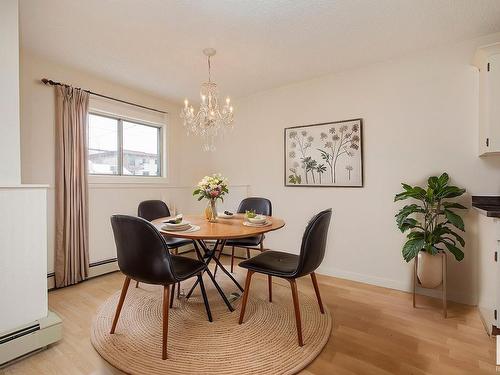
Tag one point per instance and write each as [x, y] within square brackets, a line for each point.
[156, 45]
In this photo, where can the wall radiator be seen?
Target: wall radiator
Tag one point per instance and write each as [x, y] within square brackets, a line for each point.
[29, 339]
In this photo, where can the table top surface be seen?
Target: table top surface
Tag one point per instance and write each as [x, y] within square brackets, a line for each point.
[222, 229]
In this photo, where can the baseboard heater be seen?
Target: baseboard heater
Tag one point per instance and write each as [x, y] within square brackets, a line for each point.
[29, 338]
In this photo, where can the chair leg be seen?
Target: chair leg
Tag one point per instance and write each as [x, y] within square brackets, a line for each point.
[262, 246]
[232, 259]
[298, 323]
[137, 284]
[270, 284]
[172, 294]
[166, 292]
[248, 253]
[316, 289]
[245, 295]
[178, 290]
[126, 284]
[205, 298]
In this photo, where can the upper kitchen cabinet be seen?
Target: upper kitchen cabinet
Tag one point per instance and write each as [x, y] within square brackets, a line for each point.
[487, 60]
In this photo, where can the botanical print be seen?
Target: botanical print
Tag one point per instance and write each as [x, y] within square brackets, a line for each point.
[324, 155]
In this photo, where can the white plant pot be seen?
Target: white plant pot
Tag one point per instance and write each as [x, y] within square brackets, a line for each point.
[429, 269]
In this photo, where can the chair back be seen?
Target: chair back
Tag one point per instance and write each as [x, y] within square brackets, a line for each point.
[141, 250]
[313, 246]
[152, 209]
[261, 206]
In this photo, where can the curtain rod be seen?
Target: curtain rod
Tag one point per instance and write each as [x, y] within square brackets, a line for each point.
[50, 82]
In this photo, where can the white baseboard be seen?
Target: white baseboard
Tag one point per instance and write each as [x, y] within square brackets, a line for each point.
[97, 270]
[378, 281]
[394, 284]
[104, 267]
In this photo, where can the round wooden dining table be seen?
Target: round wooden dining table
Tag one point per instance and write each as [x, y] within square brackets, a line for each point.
[219, 232]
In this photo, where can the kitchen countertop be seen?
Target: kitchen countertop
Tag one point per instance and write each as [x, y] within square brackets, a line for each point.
[487, 205]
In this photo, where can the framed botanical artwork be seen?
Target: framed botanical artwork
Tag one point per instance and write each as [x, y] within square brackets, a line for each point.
[325, 155]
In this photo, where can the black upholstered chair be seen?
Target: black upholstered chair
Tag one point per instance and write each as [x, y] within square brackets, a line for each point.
[261, 206]
[154, 209]
[143, 256]
[291, 266]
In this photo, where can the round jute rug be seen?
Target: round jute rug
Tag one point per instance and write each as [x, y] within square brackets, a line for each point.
[266, 343]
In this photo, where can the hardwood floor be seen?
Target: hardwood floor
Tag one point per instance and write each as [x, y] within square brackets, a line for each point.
[376, 331]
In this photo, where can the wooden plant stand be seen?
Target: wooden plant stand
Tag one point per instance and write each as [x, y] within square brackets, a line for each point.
[443, 283]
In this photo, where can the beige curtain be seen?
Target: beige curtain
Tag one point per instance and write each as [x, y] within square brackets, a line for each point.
[71, 200]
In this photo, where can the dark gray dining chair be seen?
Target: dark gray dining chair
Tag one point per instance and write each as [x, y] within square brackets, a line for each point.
[261, 206]
[290, 266]
[143, 256]
[155, 209]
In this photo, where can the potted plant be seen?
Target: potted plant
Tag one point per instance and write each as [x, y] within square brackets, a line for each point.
[432, 224]
[212, 188]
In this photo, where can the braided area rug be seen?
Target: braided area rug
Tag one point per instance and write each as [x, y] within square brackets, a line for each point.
[266, 343]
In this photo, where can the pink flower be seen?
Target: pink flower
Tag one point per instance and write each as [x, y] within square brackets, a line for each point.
[214, 193]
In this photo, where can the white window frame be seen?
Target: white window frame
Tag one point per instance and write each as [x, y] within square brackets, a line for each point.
[123, 112]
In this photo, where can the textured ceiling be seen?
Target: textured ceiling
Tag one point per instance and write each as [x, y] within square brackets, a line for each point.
[156, 45]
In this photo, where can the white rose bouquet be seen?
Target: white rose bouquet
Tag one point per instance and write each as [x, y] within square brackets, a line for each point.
[212, 188]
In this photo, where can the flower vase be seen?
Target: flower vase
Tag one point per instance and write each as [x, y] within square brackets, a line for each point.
[211, 211]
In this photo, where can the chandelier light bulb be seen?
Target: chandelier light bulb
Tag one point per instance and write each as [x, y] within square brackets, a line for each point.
[228, 100]
[185, 103]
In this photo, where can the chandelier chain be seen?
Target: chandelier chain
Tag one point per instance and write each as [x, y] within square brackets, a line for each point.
[209, 70]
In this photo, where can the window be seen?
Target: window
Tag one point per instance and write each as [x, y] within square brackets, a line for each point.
[122, 147]
[103, 145]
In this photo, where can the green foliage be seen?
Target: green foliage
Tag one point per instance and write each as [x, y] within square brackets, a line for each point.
[294, 178]
[250, 214]
[431, 222]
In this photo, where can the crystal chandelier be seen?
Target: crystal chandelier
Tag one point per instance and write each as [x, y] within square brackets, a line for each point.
[210, 120]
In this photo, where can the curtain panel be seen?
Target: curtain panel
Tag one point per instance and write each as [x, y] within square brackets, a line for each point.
[71, 187]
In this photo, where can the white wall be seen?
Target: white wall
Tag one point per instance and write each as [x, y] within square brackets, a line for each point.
[37, 138]
[9, 93]
[420, 118]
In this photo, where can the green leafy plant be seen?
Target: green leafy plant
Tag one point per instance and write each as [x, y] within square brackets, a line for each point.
[250, 214]
[432, 222]
[294, 178]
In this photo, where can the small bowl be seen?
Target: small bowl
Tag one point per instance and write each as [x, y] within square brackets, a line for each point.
[259, 219]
